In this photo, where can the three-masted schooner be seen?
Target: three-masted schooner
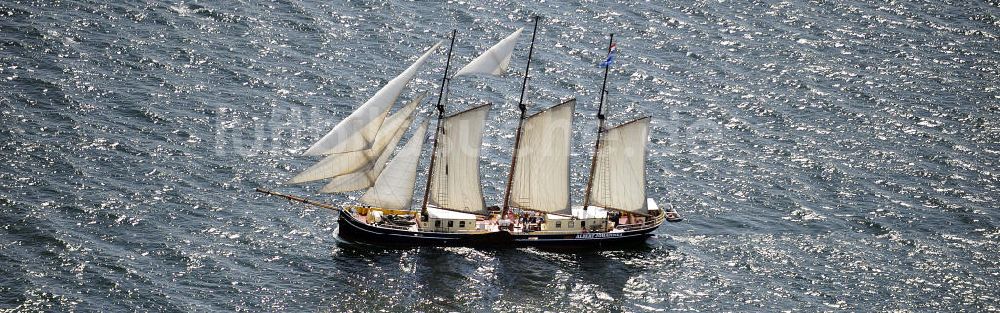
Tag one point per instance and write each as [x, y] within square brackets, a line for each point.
[536, 208]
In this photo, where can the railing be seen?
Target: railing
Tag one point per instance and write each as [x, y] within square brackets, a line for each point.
[649, 222]
[392, 226]
[451, 231]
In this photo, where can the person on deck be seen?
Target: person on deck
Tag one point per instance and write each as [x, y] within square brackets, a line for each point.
[504, 224]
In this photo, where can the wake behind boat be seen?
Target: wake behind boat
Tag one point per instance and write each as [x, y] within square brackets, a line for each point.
[536, 210]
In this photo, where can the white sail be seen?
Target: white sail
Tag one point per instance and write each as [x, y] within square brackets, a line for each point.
[365, 177]
[353, 181]
[343, 163]
[393, 188]
[619, 175]
[495, 60]
[541, 174]
[455, 183]
[357, 131]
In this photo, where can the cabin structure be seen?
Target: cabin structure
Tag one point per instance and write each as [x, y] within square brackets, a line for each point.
[438, 220]
[592, 219]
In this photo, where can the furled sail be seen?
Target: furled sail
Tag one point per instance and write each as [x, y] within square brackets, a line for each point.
[393, 188]
[541, 174]
[358, 130]
[343, 163]
[455, 183]
[495, 60]
[619, 177]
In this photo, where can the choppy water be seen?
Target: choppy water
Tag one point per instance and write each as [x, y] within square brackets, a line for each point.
[829, 155]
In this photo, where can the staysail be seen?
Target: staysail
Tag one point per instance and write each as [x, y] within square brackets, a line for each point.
[393, 188]
[343, 163]
[357, 131]
[541, 175]
[495, 60]
[365, 177]
[454, 182]
[619, 175]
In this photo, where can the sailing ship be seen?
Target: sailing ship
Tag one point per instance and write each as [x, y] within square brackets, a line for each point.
[536, 208]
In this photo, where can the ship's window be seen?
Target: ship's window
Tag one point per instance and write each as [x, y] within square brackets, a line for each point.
[451, 224]
[570, 224]
[558, 224]
[423, 218]
[583, 223]
[461, 224]
[437, 223]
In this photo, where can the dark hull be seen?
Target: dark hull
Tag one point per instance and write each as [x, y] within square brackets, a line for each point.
[354, 230]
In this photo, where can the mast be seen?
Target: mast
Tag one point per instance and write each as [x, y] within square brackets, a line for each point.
[437, 129]
[520, 122]
[600, 128]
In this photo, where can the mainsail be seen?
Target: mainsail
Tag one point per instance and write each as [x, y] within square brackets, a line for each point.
[393, 188]
[495, 60]
[454, 182]
[619, 175]
[541, 175]
[357, 131]
[343, 163]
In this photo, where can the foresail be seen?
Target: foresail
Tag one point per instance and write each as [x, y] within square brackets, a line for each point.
[455, 183]
[343, 163]
[358, 130]
[393, 188]
[541, 174]
[366, 176]
[619, 177]
[495, 60]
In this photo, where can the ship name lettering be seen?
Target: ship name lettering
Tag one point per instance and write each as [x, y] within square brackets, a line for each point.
[597, 235]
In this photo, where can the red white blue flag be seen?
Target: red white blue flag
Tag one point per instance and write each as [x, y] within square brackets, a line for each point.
[611, 55]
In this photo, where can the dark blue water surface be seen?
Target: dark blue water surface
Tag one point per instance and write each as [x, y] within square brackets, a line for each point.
[827, 155]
